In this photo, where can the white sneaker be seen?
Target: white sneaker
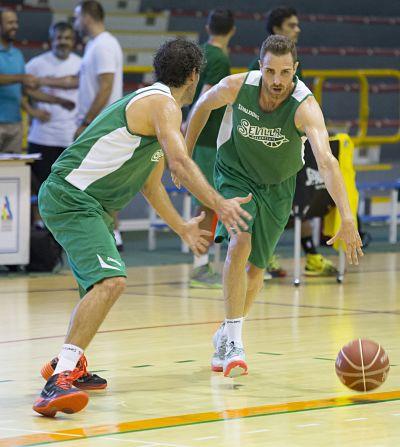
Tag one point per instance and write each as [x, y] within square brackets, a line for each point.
[234, 363]
[219, 341]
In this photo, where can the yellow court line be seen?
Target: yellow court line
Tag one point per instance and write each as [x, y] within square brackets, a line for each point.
[196, 418]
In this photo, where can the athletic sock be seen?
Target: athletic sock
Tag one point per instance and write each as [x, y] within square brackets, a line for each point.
[308, 245]
[68, 358]
[234, 331]
[199, 261]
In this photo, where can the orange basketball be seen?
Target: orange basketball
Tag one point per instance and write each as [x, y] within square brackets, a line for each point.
[362, 365]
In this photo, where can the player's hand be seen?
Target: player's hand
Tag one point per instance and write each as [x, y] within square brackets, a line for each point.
[232, 215]
[176, 181]
[349, 235]
[194, 236]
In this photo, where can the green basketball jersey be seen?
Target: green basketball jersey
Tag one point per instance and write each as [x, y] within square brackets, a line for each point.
[265, 147]
[107, 161]
[217, 67]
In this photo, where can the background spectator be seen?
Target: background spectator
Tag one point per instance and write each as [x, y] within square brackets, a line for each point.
[12, 79]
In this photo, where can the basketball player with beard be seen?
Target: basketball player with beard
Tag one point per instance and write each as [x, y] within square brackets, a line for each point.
[269, 114]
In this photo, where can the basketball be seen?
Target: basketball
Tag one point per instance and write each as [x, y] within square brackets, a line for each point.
[362, 365]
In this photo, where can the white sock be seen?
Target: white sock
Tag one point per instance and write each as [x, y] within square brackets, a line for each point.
[234, 331]
[199, 261]
[68, 358]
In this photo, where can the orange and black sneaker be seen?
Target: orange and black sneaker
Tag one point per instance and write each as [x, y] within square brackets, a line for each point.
[87, 381]
[59, 395]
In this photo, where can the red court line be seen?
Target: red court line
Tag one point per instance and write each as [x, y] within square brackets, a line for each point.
[199, 323]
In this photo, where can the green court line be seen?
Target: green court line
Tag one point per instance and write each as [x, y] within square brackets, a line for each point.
[141, 366]
[4, 381]
[323, 358]
[268, 353]
[99, 370]
[184, 361]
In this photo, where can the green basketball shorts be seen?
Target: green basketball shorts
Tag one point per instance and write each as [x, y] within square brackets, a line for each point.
[84, 229]
[204, 157]
[270, 209]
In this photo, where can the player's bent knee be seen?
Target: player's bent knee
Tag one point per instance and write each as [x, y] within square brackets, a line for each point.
[115, 285]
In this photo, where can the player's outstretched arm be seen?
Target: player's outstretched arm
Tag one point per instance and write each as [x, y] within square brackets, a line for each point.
[310, 119]
[166, 119]
[220, 95]
[155, 193]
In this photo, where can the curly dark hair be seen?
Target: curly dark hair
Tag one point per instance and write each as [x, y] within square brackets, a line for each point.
[175, 60]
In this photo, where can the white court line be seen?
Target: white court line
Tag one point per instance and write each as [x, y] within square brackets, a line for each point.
[307, 425]
[395, 414]
[258, 431]
[205, 438]
[41, 431]
[356, 419]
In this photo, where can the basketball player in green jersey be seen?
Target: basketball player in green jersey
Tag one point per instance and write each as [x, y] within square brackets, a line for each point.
[119, 154]
[284, 21]
[220, 28]
[269, 114]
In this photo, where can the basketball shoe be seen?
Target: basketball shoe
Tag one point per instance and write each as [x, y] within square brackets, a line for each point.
[274, 269]
[59, 395]
[318, 265]
[235, 361]
[219, 341]
[86, 381]
[204, 277]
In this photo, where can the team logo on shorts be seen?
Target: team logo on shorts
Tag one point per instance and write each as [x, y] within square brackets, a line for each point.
[106, 265]
[157, 156]
[269, 137]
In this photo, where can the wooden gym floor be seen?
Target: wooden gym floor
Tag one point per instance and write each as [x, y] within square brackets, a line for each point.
[155, 347]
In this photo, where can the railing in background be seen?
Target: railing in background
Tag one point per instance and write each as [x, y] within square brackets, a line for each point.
[361, 138]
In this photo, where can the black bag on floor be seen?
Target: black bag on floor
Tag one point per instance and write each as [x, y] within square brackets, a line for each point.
[45, 252]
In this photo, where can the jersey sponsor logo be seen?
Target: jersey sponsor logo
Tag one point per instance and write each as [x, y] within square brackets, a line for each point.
[104, 264]
[249, 112]
[314, 179]
[269, 137]
[157, 156]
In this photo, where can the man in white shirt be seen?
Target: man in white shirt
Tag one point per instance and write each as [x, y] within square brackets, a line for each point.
[100, 78]
[54, 131]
